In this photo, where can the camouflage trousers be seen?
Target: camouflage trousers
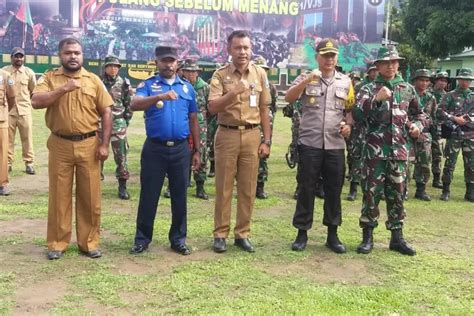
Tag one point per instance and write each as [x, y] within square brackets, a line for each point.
[355, 161]
[383, 176]
[422, 160]
[262, 164]
[120, 147]
[211, 133]
[436, 155]
[200, 175]
[451, 151]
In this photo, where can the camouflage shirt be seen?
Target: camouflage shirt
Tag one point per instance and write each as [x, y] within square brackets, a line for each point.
[202, 94]
[121, 94]
[458, 102]
[388, 122]
[428, 104]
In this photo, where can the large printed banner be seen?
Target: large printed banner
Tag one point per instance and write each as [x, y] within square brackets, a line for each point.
[284, 32]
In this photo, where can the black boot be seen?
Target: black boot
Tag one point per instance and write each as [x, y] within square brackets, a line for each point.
[212, 170]
[469, 196]
[367, 243]
[122, 190]
[445, 194]
[398, 243]
[200, 192]
[260, 194]
[333, 242]
[352, 196]
[300, 242]
[437, 181]
[420, 193]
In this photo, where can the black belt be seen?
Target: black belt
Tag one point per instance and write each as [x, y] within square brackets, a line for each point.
[240, 127]
[76, 138]
[167, 143]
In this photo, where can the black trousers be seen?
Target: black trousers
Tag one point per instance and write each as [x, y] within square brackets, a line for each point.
[315, 162]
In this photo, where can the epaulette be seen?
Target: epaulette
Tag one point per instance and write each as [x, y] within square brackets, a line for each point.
[51, 70]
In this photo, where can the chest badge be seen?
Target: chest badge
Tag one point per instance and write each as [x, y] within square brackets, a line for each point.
[312, 100]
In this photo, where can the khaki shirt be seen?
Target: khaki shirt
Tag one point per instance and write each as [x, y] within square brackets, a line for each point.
[76, 112]
[239, 111]
[25, 82]
[7, 89]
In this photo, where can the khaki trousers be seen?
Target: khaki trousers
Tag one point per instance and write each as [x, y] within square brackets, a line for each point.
[66, 159]
[236, 157]
[3, 156]
[24, 123]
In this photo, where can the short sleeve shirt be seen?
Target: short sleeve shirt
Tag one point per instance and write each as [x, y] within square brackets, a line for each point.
[7, 90]
[25, 82]
[78, 111]
[239, 112]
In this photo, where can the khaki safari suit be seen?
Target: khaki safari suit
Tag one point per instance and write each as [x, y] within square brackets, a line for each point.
[20, 115]
[236, 146]
[74, 114]
[6, 90]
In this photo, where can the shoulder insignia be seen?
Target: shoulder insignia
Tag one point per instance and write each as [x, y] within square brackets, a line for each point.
[10, 82]
[215, 81]
[140, 85]
[185, 89]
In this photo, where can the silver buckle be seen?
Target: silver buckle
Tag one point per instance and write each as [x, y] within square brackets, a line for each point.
[241, 127]
[169, 143]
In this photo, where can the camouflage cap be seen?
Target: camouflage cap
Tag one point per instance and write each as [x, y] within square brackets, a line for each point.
[388, 53]
[370, 68]
[422, 73]
[180, 64]
[441, 75]
[354, 75]
[111, 60]
[260, 61]
[326, 46]
[465, 73]
[190, 65]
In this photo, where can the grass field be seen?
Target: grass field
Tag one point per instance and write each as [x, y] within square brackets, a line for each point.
[274, 280]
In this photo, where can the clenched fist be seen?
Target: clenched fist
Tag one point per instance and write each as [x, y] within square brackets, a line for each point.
[383, 94]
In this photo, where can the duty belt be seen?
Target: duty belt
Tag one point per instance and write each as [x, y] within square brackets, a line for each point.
[240, 127]
[167, 143]
[76, 138]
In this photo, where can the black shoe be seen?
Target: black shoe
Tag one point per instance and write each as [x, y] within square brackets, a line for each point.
[30, 170]
[54, 255]
[122, 190]
[398, 243]
[200, 192]
[436, 181]
[333, 242]
[136, 249]
[244, 244]
[10, 168]
[301, 240]
[420, 193]
[219, 245]
[4, 191]
[445, 194]
[93, 254]
[182, 249]
[469, 196]
[367, 243]
[352, 196]
[167, 193]
[260, 194]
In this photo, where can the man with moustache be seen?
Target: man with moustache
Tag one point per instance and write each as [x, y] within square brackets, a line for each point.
[170, 109]
[240, 95]
[20, 115]
[326, 99]
[74, 99]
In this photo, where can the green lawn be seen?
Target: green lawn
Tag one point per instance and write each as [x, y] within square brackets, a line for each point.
[438, 280]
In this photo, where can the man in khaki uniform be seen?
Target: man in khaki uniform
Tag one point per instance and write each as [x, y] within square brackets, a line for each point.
[240, 95]
[7, 93]
[20, 115]
[74, 98]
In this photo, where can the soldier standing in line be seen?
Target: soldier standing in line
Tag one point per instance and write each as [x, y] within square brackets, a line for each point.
[263, 166]
[211, 133]
[293, 111]
[457, 109]
[423, 144]
[191, 71]
[439, 91]
[121, 92]
[385, 105]
[7, 101]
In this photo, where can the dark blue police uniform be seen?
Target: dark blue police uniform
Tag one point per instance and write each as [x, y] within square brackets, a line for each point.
[165, 151]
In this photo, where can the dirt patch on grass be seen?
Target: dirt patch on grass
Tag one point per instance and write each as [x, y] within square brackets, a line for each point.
[37, 298]
[25, 228]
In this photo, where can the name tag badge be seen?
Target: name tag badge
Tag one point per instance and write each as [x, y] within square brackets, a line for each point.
[253, 100]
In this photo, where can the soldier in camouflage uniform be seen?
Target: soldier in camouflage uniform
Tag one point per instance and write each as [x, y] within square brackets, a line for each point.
[439, 91]
[422, 146]
[211, 133]
[120, 90]
[263, 166]
[457, 110]
[191, 71]
[293, 111]
[385, 105]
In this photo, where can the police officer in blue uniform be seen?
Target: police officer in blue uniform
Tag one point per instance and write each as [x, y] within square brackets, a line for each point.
[170, 116]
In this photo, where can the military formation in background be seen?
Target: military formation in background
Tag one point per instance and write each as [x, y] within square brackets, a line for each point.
[392, 131]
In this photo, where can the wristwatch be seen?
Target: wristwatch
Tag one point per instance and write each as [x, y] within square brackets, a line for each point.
[196, 150]
[267, 142]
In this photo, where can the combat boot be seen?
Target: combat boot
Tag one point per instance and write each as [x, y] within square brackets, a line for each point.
[437, 181]
[333, 242]
[200, 192]
[469, 196]
[445, 194]
[420, 193]
[122, 190]
[398, 243]
[352, 196]
[301, 240]
[367, 243]
[260, 194]
[212, 170]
